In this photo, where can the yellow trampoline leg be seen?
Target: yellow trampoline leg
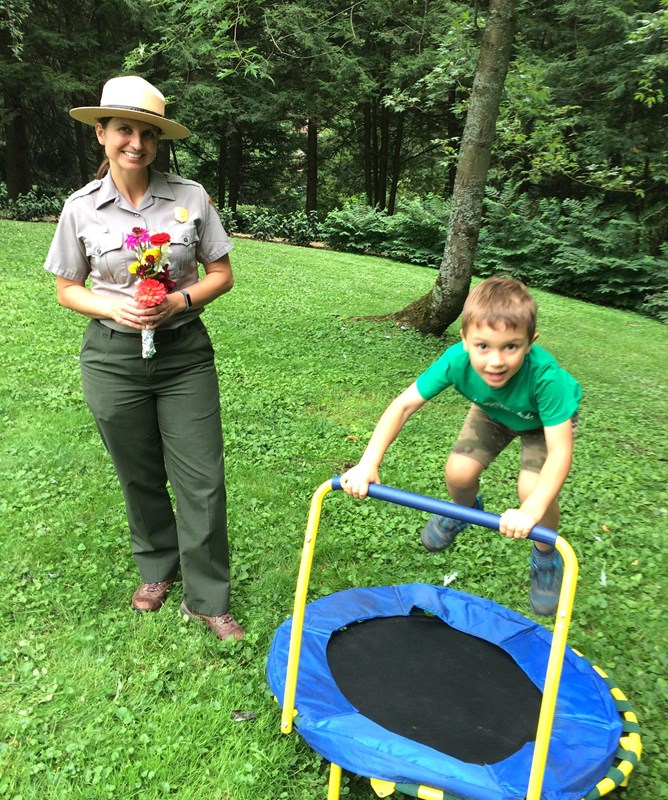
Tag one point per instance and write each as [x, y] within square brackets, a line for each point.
[554, 665]
[300, 606]
[334, 787]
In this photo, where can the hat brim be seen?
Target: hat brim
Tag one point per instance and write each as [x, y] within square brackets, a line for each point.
[91, 115]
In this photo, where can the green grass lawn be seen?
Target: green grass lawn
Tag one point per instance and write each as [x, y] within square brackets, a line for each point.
[98, 702]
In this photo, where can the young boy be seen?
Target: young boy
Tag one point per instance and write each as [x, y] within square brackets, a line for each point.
[516, 389]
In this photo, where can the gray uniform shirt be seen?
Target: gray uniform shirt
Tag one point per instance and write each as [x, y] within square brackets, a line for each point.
[88, 244]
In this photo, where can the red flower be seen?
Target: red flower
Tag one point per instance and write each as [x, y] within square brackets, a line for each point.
[165, 279]
[150, 293]
[158, 239]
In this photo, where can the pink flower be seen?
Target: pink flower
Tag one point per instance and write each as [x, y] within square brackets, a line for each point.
[150, 293]
[138, 237]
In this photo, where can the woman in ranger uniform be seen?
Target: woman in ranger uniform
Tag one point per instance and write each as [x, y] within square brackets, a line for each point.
[157, 408]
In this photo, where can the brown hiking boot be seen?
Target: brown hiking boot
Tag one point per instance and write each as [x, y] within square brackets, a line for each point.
[151, 596]
[223, 626]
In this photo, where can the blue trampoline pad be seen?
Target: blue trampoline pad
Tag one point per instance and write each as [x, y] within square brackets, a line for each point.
[419, 684]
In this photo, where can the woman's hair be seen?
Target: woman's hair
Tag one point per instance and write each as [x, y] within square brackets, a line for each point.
[104, 164]
[500, 303]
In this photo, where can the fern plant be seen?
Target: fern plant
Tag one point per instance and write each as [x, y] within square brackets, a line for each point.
[580, 248]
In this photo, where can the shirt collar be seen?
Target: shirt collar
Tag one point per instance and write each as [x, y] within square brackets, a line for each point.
[108, 192]
[158, 187]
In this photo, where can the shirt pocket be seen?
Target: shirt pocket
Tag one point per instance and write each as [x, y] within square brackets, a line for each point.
[107, 257]
[183, 250]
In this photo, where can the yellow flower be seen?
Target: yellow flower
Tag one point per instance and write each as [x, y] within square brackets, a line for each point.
[134, 267]
[181, 214]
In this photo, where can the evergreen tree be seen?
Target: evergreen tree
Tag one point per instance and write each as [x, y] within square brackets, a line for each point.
[54, 55]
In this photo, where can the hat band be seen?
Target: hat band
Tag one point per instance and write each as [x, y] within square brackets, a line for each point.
[135, 108]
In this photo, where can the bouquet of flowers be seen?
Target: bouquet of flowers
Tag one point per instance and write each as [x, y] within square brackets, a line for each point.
[152, 269]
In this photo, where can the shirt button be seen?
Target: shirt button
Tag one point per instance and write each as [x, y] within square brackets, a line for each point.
[98, 251]
[186, 239]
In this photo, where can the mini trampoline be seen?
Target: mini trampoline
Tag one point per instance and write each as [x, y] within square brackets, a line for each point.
[441, 694]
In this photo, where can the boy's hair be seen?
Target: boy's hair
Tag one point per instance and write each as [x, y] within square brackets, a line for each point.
[500, 303]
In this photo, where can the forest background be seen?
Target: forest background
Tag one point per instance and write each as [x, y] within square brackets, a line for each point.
[340, 122]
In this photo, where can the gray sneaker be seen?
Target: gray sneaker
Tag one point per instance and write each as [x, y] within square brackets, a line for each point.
[547, 572]
[440, 532]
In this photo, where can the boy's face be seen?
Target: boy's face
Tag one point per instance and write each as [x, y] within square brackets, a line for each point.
[496, 355]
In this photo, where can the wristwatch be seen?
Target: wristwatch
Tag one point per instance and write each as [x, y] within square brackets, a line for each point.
[189, 302]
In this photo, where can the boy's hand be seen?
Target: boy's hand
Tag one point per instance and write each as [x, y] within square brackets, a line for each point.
[516, 524]
[356, 480]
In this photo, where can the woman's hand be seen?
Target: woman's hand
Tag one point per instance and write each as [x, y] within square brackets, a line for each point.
[171, 306]
[123, 310]
[130, 313]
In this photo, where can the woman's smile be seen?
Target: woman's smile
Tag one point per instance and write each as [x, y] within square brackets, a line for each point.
[129, 144]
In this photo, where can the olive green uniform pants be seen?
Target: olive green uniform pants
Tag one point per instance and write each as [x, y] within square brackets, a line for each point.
[159, 419]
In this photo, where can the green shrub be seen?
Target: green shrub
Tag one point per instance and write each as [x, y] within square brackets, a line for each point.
[415, 233]
[37, 204]
[578, 248]
[302, 228]
[418, 230]
[229, 219]
[261, 223]
[356, 228]
[656, 305]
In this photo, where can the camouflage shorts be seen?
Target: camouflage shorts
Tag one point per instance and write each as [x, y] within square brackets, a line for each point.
[482, 439]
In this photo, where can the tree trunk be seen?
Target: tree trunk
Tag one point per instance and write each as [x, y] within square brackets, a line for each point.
[222, 168]
[374, 152]
[161, 162]
[312, 166]
[17, 166]
[438, 309]
[80, 139]
[236, 153]
[383, 157]
[453, 131]
[396, 162]
[368, 161]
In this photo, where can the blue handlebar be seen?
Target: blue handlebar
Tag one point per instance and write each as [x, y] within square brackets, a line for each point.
[444, 509]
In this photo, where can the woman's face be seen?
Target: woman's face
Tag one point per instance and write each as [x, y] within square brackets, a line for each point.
[128, 144]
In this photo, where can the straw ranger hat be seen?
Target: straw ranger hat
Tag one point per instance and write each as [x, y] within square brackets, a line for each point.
[131, 97]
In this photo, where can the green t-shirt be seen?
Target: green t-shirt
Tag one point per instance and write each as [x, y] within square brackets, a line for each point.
[540, 394]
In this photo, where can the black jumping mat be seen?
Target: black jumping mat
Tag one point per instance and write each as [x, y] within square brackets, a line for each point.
[420, 678]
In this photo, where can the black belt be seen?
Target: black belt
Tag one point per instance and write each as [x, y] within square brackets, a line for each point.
[160, 335]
